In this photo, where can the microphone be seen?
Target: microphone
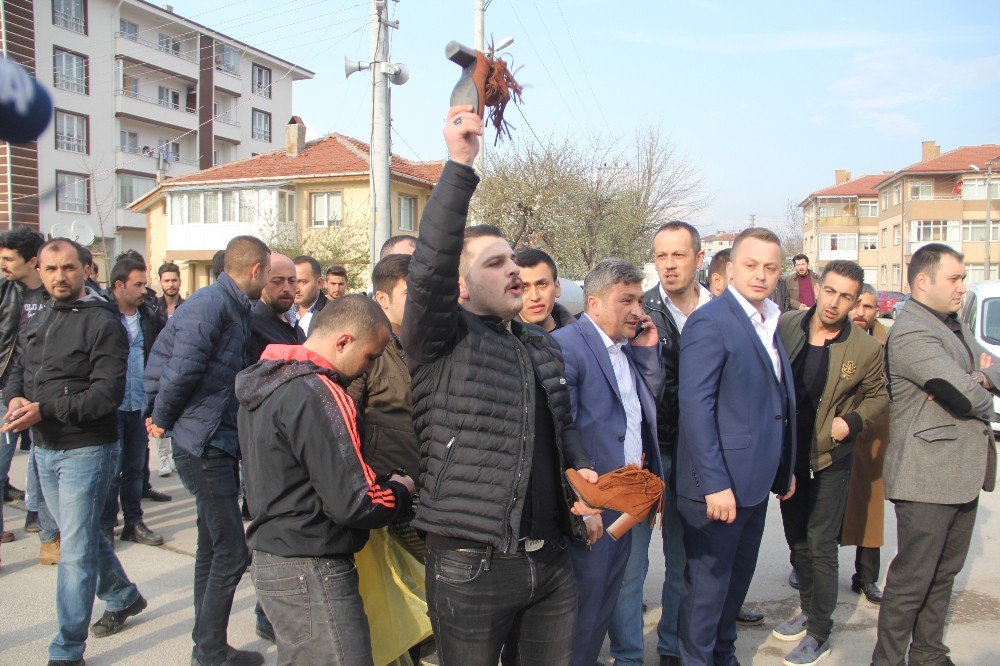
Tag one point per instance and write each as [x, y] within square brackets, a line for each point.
[25, 107]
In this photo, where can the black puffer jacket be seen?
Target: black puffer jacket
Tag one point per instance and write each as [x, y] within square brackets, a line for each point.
[473, 390]
[667, 410]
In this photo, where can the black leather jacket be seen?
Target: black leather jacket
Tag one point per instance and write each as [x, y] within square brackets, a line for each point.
[667, 411]
[11, 305]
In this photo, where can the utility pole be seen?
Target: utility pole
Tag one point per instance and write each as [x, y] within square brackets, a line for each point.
[989, 227]
[753, 220]
[479, 43]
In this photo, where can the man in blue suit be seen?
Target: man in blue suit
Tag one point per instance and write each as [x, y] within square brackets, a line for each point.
[614, 376]
[737, 425]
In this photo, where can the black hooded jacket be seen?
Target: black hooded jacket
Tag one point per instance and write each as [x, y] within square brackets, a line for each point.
[308, 488]
[74, 364]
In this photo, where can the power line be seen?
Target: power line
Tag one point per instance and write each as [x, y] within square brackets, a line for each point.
[583, 67]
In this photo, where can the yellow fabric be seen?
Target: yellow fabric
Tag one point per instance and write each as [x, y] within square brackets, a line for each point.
[393, 590]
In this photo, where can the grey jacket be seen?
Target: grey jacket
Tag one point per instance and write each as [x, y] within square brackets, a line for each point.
[940, 451]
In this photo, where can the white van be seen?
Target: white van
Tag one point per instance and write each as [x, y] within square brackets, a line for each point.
[981, 313]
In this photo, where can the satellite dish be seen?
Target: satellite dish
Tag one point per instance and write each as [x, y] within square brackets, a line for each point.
[82, 232]
[59, 230]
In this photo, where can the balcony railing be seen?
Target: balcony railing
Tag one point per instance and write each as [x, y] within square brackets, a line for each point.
[64, 20]
[155, 100]
[159, 47]
[77, 84]
[936, 197]
[153, 153]
[230, 68]
[71, 143]
[226, 120]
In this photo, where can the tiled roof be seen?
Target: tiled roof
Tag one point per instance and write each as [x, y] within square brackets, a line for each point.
[863, 186]
[953, 161]
[333, 155]
[719, 237]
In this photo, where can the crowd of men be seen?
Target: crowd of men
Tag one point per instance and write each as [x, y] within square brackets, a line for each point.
[447, 406]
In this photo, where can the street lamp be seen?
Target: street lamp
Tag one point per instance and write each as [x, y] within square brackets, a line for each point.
[989, 231]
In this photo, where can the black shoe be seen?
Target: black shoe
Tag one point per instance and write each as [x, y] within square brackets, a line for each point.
[67, 662]
[871, 591]
[236, 657]
[12, 494]
[31, 522]
[793, 580]
[109, 532]
[266, 633]
[669, 660]
[156, 496]
[113, 622]
[139, 533]
[749, 618]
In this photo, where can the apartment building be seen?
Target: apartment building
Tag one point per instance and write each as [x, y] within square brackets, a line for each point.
[720, 240]
[310, 198]
[881, 220]
[841, 222]
[139, 92]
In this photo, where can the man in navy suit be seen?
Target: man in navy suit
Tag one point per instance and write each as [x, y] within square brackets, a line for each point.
[614, 377]
[736, 444]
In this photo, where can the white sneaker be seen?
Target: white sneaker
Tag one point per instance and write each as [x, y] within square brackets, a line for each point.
[166, 466]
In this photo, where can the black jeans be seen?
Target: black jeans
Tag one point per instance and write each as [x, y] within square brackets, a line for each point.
[480, 604]
[222, 554]
[126, 481]
[812, 519]
[315, 607]
[867, 564]
[933, 542]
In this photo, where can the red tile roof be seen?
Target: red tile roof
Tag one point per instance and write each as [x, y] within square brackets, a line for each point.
[953, 161]
[333, 155]
[719, 237]
[863, 186]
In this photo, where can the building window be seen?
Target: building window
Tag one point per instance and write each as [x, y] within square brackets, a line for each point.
[70, 71]
[72, 132]
[227, 59]
[229, 204]
[210, 206]
[327, 209]
[897, 235]
[868, 209]
[976, 273]
[885, 233]
[975, 231]
[72, 192]
[897, 194]
[176, 208]
[827, 211]
[407, 213]
[868, 241]
[132, 187]
[169, 97]
[70, 14]
[261, 125]
[885, 275]
[885, 199]
[248, 206]
[128, 142]
[921, 189]
[838, 242]
[128, 30]
[975, 189]
[168, 44]
[896, 275]
[170, 150]
[261, 81]
[286, 206]
[194, 208]
[935, 231]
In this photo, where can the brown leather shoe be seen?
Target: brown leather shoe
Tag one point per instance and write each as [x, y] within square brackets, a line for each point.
[49, 552]
[630, 490]
[485, 83]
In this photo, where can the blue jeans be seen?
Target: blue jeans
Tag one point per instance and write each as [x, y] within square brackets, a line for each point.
[222, 555]
[626, 623]
[127, 478]
[75, 483]
[33, 500]
[316, 607]
[8, 444]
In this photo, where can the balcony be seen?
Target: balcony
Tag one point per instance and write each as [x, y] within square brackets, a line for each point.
[839, 221]
[139, 50]
[937, 208]
[149, 110]
[834, 255]
[227, 128]
[194, 237]
[149, 158]
[162, 49]
[155, 100]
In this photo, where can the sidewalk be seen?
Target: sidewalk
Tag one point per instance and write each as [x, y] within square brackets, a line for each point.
[161, 634]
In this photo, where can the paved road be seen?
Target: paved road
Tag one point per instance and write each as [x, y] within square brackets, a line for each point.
[161, 634]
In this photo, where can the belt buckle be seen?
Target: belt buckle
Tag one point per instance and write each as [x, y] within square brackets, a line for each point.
[531, 545]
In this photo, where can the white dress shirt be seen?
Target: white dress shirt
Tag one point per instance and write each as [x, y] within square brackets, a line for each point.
[630, 397]
[704, 296]
[765, 324]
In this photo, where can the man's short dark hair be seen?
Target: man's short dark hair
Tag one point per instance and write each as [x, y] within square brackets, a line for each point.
[718, 263]
[243, 252]
[389, 246]
[337, 269]
[847, 269]
[57, 243]
[306, 259]
[481, 230]
[800, 257]
[26, 242]
[529, 257]
[760, 233]
[168, 267]
[390, 270]
[218, 264]
[123, 269]
[86, 256]
[927, 259]
[678, 225]
[356, 312]
[135, 255]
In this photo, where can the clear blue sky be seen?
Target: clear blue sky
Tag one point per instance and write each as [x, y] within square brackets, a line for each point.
[765, 98]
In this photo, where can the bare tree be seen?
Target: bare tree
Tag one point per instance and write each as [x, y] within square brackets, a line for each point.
[791, 232]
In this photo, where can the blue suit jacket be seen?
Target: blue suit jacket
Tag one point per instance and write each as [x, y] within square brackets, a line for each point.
[737, 426]
[595, 400]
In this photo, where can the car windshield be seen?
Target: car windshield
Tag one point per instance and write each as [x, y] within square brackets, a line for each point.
[991, 321]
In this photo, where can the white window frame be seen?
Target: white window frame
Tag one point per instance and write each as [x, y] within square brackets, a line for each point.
[897, 273]
[897, 234]
[260, 81]
[128, 29]
[63, 61]
[70, 14]
[128, 141]
[72, 193]
[168, 44]
[867, 242]
[72, 130]
[974, 189]
[327, 220]
[870, 208]
[227, 59]
[131, 187]
[921, 189]
[168, 97]
[411, 223]
[838, 242]
[260, 130]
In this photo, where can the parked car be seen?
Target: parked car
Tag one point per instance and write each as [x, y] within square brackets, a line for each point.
[886, 299]
[981, 313]
[898, 305]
